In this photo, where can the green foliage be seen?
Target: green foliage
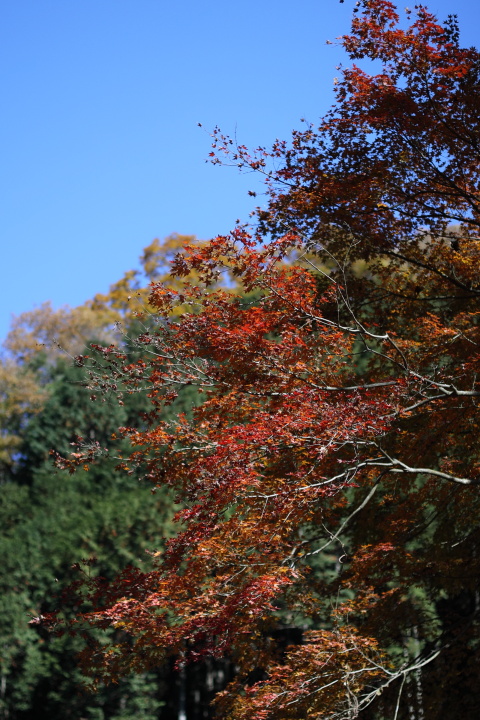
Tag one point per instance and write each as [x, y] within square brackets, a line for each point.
[21, 396]
[50, 521]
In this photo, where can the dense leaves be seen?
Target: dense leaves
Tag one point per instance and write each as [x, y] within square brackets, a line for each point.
[339, 425]
[51, 521]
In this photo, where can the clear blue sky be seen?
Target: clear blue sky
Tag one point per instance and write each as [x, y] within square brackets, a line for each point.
[100, 149]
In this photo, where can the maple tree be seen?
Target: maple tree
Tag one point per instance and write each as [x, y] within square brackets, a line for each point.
[339, 425]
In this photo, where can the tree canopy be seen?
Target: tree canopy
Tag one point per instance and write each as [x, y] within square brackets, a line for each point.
[49, 521]
[328, 482]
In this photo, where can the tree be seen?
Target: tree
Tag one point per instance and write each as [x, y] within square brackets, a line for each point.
[21, 397]
[49, 522]
[106, 317]
[340, 416]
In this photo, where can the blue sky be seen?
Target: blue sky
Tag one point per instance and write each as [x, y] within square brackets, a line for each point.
[100, 146]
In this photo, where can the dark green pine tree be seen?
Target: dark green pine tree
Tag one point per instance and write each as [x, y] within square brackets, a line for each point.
[50, 521]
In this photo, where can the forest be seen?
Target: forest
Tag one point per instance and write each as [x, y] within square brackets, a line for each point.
[243, 484]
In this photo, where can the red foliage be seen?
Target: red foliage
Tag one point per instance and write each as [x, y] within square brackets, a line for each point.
[329, 479]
